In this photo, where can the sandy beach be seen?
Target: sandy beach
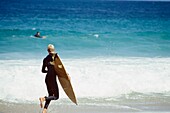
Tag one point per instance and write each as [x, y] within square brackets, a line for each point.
[6, 107]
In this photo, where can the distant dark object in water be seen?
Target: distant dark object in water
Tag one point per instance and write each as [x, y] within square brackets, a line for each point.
[37, 35]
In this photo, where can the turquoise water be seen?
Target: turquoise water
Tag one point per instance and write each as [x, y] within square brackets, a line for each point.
[85, 29]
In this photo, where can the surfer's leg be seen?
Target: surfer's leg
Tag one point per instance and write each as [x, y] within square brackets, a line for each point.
[42, 99]
[47, 102]
[49, 98]
[44, 110]
[53, 94]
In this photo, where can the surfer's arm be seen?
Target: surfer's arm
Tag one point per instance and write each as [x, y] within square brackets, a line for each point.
[44, 67]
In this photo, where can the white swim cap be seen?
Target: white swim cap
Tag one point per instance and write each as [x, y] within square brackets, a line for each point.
[51, 48]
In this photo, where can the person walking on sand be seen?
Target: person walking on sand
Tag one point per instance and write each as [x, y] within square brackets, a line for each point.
[50, 80]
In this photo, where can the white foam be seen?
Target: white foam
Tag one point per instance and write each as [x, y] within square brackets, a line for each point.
[96, 35]
[112, 77]
[33, 28]
[95, 77]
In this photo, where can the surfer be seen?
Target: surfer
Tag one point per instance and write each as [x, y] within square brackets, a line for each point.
[50, 80]
[37, 35]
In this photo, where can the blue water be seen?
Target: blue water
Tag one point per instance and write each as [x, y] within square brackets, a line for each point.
[84, 29]
[122, 47]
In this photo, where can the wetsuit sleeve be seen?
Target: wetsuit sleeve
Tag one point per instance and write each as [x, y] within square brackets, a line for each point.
[44, 66]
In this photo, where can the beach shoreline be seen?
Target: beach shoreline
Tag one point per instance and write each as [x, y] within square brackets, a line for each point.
[12, 107]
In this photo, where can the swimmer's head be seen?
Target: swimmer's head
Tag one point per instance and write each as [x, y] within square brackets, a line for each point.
[51, 48]
[38, 33]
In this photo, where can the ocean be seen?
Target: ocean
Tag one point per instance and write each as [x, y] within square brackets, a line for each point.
[116, 52]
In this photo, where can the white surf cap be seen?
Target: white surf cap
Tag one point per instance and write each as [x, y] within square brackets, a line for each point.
[51, 48]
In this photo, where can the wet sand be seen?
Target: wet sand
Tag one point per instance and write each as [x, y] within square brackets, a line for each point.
[6, 107]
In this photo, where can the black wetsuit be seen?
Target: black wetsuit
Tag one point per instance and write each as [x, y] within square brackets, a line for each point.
[50, 80]
[38, 36]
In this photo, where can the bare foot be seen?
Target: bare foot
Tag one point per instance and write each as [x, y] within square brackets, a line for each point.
[44, 111]
[41, 102]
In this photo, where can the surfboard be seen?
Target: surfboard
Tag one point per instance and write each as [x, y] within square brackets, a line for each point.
[64, 79]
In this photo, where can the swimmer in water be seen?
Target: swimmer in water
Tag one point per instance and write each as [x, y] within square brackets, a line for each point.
[37, 35]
